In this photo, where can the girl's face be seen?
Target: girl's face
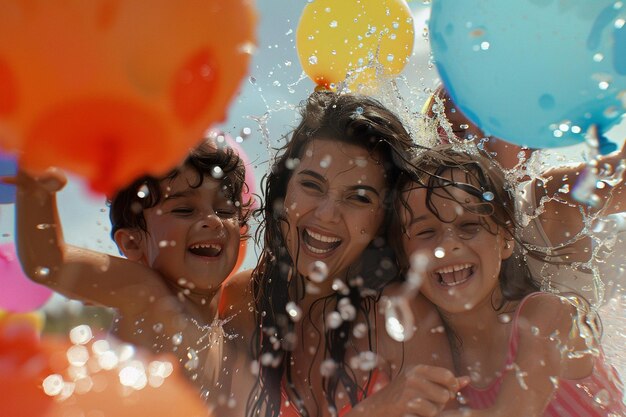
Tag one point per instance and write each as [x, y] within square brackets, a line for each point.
[458, 253]
[333, 205]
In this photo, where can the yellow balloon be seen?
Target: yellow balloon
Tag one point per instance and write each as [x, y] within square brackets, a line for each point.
[354, 40]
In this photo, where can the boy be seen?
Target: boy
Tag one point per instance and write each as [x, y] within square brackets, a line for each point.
[180, 235]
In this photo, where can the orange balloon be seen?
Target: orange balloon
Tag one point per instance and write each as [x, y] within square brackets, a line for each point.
[113, 89]
[23, 365]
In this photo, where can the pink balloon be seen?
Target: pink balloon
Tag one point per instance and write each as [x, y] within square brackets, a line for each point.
[17, 293]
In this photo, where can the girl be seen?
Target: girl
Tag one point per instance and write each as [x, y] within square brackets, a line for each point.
[528, 353]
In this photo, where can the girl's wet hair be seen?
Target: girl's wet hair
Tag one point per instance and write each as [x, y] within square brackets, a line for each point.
[127, 206]
[482, 178]
[345, 118]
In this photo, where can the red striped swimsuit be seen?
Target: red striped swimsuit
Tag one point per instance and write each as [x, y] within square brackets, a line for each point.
[598, 395]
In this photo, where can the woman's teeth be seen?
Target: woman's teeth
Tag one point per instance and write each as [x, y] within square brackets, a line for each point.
[318, 243]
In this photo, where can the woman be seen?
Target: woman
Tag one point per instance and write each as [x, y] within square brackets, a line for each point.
[324, 262]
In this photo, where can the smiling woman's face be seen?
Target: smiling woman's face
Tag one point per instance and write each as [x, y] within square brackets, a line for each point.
[334, 205]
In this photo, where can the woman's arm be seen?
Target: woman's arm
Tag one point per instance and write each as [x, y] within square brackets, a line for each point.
[562, 215]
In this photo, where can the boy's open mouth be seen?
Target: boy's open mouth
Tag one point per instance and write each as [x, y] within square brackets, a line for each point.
[208, 250]
[318, 243]
[454, 275]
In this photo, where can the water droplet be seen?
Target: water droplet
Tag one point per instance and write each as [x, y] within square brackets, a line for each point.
[534, 330]
[328, 368]
[365, 361]
[440, 252]
[80, 335]
[333, 320]
[399, 321]
[598, 57]
[346, 309]
[488, 196]
[44, 226]
[252, 80]
[42, 271]
[294, 311]
[177, 339]
[158, 327]
[217, 172]
[192, 360]
[340, 287]
[390, 57]
[53, 385]
[504, 318]
[77, 355]
[143, 191]
[313, 60]
[484, 45]
[333, 24]
[245, 132]
[359, 111]
[359, 330]
[602, 398]
[326, 161]
[133, 375]
[318, 272]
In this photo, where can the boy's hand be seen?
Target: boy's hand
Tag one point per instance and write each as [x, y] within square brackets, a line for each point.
[51, 180]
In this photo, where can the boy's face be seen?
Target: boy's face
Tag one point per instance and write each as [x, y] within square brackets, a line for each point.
[193, 233]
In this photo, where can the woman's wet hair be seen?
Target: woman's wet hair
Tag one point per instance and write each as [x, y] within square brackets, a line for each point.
[344, 118]
[128, 204]
[474, 172]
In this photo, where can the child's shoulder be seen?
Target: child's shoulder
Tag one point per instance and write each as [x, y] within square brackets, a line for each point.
[236, 296]
[543, 310]
[565, 324]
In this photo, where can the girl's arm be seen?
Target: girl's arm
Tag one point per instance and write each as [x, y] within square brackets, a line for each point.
[550, 348]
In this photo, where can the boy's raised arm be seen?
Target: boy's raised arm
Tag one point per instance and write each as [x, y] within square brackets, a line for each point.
[74, 272]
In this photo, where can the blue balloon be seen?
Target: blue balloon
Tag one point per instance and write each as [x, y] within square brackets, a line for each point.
[8, 167]
[536, 73]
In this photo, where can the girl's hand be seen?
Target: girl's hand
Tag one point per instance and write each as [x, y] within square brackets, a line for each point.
[422, 391]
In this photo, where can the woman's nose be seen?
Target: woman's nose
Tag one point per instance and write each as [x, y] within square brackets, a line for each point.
[327, 209]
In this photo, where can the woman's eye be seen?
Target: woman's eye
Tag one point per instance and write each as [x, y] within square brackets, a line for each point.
[182, 211]
[360, 198]
[310, 185]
